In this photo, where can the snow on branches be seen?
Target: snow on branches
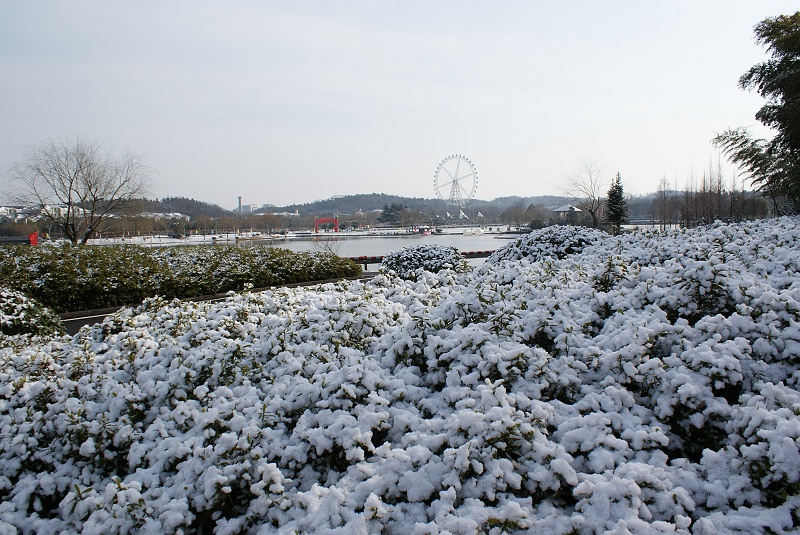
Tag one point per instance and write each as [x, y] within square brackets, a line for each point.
[409, 262]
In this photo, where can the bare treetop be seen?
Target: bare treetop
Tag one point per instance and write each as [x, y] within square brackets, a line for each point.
[79, 184]
[586, 187]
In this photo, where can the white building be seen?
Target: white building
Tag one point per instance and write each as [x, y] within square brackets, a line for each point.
[165, 215]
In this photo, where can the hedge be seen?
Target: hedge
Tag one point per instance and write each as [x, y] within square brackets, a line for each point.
[68, 278]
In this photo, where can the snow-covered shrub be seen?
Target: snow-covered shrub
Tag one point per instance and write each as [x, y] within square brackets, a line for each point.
[408, 262]
[583, 395]
[20, 314]
[553, 242]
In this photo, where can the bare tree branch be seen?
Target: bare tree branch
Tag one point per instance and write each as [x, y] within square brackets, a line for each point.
[586, 187]
[78, 184]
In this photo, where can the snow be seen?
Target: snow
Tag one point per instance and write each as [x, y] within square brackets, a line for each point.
[409, 262]
[20, 314]
[645, 383]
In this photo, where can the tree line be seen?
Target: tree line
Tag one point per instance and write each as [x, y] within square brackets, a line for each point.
[706, 200]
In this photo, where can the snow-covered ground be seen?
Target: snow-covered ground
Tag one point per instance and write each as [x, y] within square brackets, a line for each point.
[641, 384]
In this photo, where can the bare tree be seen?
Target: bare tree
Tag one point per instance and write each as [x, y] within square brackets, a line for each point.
[78, 184]
[661, 204]
[327, 244]
[515, 213]
[586, 187]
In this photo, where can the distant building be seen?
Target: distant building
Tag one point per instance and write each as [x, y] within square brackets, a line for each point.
[165, 215]
[61, 211]
[566, 209]
[248, 208]
[287, 214]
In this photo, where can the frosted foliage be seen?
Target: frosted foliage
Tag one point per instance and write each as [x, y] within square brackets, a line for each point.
[20, 314]
[554, 242]
[646, 383]
[409, 262]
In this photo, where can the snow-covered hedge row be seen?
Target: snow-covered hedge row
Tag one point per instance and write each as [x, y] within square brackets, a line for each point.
[410, 262]
[646, 384]
[20, 314]
[69, 278]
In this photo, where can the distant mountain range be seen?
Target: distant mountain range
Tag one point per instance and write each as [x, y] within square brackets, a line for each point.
[349, 204]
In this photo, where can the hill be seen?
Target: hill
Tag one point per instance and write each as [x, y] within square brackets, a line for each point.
[348, 204]
[183, 205]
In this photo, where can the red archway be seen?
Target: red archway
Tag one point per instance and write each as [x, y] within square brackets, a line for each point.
[321, 220]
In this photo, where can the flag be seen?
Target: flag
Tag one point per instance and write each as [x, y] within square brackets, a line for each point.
[33, 237]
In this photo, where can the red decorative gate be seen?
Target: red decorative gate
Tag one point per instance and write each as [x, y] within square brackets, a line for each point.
[322, 220]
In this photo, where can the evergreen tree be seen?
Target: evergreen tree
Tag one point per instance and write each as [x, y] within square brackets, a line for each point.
[773, 165]
[616, 206]
[392, 214]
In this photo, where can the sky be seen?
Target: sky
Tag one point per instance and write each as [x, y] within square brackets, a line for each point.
[290, 102]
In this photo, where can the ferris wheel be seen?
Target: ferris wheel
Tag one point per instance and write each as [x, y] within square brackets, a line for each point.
[456, 180]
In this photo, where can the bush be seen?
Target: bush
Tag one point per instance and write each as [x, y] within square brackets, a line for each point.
[407, 261]
[554, 242]
[584, 395]
[68, 278]
[22, 315]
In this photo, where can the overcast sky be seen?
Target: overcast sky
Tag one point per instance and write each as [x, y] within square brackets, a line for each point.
[289, 102]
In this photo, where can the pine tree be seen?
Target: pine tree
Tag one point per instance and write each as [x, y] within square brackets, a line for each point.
[392, 215]
[772, 165]
[616, 206]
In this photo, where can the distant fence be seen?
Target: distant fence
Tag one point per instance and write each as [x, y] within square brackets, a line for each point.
[367, 260]
[15, 240]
